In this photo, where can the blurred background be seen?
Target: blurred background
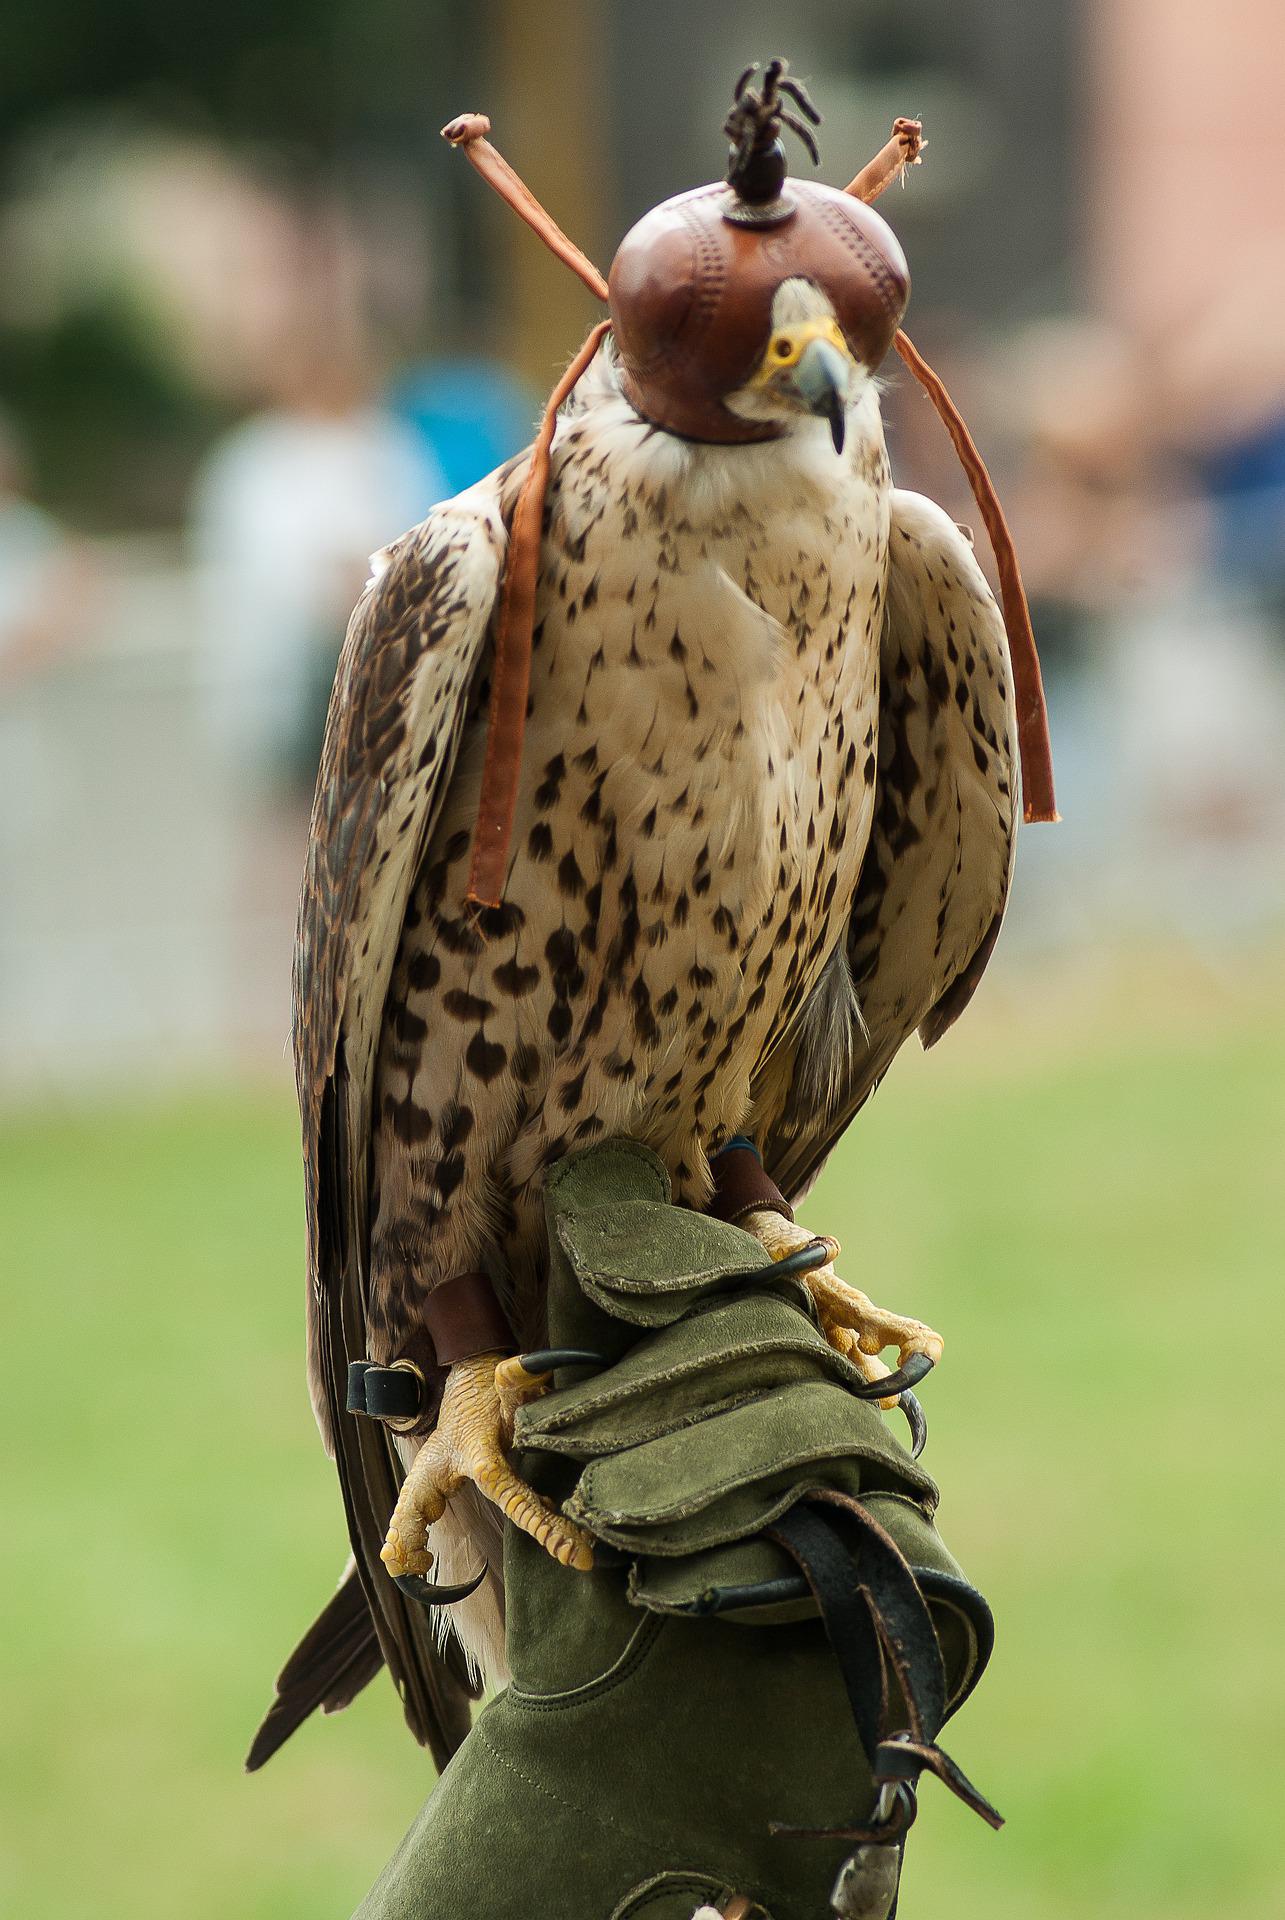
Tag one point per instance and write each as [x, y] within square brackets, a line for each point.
[255, 319]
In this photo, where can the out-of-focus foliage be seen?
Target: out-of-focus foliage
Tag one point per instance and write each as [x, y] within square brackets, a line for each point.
[113, 423]
[313, 96]
[302, 74]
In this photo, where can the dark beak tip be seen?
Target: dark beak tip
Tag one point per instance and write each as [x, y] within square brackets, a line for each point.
[820, 381]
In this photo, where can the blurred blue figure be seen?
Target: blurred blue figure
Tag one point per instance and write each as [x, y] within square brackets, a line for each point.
[472, 414]
[1246, 483]
[287, 508]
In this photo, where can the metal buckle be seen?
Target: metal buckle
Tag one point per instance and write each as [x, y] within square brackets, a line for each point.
[373, 1393]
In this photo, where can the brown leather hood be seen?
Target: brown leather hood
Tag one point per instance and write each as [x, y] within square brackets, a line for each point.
[691, 296]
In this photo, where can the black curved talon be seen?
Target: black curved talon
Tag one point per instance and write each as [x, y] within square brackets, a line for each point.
[909, 1404]
[417, 1588]
[917, 1368]
[803, 1260]
[546, 1359]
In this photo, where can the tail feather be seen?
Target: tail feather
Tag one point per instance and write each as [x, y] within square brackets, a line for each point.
[336, 1658]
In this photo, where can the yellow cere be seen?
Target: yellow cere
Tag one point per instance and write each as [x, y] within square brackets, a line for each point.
[787, 345]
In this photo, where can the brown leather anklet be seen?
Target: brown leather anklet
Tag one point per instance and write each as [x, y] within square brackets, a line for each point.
[464, 1318]
[741, 1183]
[461, 1320]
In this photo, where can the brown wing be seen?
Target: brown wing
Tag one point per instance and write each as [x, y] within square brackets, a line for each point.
[400, 698]
[336, 1658]
[935, 879]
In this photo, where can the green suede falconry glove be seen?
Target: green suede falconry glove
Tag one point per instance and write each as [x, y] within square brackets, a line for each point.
[737, 1701]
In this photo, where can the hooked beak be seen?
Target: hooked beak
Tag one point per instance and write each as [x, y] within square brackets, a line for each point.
[821, 381]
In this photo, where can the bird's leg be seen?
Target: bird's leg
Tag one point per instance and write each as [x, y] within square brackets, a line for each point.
[474, 1429]
[851, 1322]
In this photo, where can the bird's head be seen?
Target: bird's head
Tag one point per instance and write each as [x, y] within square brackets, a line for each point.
[808, 371]
[743, 308]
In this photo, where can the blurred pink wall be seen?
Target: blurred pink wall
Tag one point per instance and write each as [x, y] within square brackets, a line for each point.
[1185, 215]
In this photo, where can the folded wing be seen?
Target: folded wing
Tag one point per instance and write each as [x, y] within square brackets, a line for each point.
[935, 879]
[402, 692]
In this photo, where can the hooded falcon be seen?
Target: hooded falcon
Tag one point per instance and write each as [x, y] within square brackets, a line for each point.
[763, 832]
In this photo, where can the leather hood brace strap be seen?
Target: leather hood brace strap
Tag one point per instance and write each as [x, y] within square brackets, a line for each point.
[514, 633]
[515, 618]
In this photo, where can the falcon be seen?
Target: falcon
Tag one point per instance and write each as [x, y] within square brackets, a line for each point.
[763, 832]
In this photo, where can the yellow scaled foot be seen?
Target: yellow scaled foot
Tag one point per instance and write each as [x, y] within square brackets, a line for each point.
[851, 1322]
[516, 1386]
[474, 1429]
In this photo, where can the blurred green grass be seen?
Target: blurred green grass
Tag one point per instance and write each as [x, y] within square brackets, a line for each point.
[1098, 1230]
